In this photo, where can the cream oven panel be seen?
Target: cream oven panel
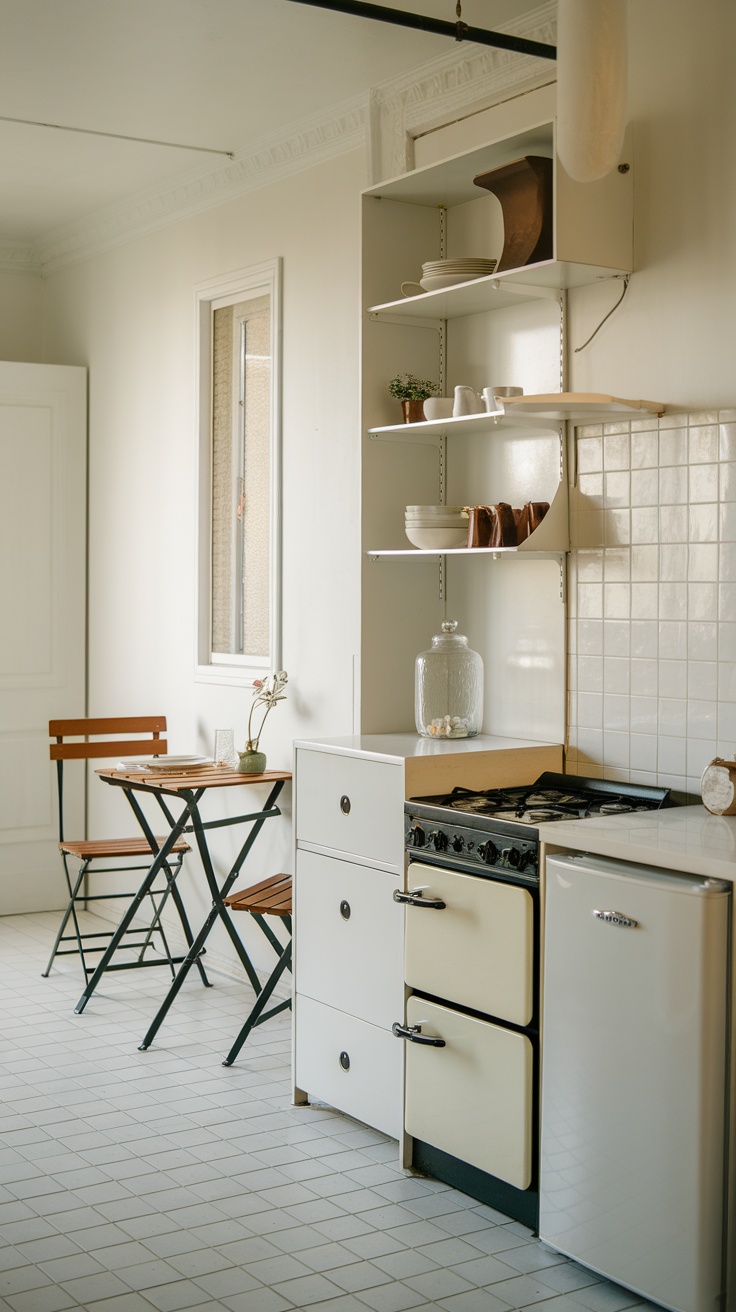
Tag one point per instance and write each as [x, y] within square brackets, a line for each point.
[473, 1097]
[477, 950]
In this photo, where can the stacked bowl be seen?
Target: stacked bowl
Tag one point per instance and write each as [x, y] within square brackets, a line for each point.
[436, 528]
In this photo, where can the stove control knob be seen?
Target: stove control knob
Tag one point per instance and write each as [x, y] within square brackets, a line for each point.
[511, 856]
[527, 859]
[458, 843]
[416, 836]
[487, 852]
[438, 840]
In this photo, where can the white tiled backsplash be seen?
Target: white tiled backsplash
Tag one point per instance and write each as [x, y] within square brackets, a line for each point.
[652, 598]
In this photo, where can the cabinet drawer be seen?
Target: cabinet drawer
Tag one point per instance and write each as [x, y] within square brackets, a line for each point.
[349, 1064]
[348, 937]
[474, 1097]
[351, 804]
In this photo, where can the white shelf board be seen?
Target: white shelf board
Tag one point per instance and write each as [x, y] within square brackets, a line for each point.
[414, 553]
[430, 430]
[542, 281]
[579, 406]
[450, 182]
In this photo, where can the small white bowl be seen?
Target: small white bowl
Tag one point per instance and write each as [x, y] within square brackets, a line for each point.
[437, 539]
[438, 407]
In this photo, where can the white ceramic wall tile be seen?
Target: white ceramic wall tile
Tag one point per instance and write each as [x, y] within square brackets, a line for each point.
[617, 528]
[703, 443]
[644, 715]
[702, 600]
[653, 571]
[644, 601]
[727, 681]
[616, 447]
[644, 678]
[726, 602]
[672, 756]
[672, 640]
[644, 638]
[616, 601]
[672, 678]
[673, 485]
[673, 524]
[672, 447]
[703, 483]
[726, 439]
[589, 453]
[702, 641]
[702, 523]
[616, 638]
[644, 562]
[616, 675]
[644, 447]
[702, 680]
[644, 524]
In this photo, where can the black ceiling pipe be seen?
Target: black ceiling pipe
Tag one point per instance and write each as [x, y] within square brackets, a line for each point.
[459, 31]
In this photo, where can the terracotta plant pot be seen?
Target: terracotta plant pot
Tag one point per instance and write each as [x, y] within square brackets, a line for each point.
[251, 762]
[413, 411]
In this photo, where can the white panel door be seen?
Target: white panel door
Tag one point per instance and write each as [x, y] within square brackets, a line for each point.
[42, 602]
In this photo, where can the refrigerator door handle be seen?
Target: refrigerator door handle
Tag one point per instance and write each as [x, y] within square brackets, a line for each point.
[616, 918]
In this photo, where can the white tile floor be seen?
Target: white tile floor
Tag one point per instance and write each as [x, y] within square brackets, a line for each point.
[131, 1181]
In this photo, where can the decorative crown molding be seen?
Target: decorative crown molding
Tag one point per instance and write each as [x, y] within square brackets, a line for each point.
[451, 88]
[385, 124]
[300, 147]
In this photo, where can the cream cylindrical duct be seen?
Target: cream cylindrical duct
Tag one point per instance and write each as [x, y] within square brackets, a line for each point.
[591, 86]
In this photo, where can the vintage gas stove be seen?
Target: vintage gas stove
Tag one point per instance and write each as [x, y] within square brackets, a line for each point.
[497, 828]
[472, 962]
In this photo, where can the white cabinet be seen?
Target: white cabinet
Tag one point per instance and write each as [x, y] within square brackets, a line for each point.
[348, 933]
[348, 930]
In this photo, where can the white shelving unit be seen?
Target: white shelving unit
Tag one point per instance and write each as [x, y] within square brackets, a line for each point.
[510, 328]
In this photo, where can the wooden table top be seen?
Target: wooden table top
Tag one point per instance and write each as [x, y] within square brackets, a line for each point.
[207, 776]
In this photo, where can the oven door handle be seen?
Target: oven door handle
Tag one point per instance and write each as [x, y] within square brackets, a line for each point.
[414, 1034]
[414, 899]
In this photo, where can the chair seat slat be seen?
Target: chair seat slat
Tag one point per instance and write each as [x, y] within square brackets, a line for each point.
[115, 847]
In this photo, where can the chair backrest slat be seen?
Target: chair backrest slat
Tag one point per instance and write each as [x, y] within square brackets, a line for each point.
[154, 745]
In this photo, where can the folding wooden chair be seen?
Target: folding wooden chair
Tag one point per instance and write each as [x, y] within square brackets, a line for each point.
[112, 856]
[272, 897]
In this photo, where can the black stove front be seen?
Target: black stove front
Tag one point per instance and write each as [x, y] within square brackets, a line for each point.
[496, 829]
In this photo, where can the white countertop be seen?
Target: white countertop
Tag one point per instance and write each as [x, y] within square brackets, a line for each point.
[684, 838]
[403, 746]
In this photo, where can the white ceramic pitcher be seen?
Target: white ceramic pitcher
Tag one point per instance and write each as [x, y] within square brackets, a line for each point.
[467, 402]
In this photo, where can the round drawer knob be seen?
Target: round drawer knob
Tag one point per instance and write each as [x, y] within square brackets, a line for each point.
[345, 804]
[345, 910]
[345, 1061]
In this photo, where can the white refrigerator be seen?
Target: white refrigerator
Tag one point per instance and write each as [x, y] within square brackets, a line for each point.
[634, 1068]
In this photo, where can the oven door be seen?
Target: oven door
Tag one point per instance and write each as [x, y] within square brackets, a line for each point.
[472, 1097]
[469, 940]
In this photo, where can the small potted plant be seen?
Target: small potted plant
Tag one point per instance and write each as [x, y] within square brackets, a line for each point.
[266, 693]
[412, 393]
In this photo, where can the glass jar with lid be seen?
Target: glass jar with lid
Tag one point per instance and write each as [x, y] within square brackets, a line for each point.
[448, 687]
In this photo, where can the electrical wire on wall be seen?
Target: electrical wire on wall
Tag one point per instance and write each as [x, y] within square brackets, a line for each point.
[625, 277]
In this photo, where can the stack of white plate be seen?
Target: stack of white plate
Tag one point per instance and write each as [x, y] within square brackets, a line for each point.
[445, 273]
[436, 528]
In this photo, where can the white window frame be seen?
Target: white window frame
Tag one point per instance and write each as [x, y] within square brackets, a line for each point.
[259, 279]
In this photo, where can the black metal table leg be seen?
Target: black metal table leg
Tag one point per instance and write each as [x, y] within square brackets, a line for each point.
[218, 910]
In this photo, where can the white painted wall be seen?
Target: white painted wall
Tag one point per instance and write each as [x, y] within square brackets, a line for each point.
[130, 314]
[21, 317]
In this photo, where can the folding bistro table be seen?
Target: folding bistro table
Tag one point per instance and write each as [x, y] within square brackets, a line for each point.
[188, 788]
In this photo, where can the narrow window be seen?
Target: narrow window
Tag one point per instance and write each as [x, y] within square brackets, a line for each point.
[239, 610]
